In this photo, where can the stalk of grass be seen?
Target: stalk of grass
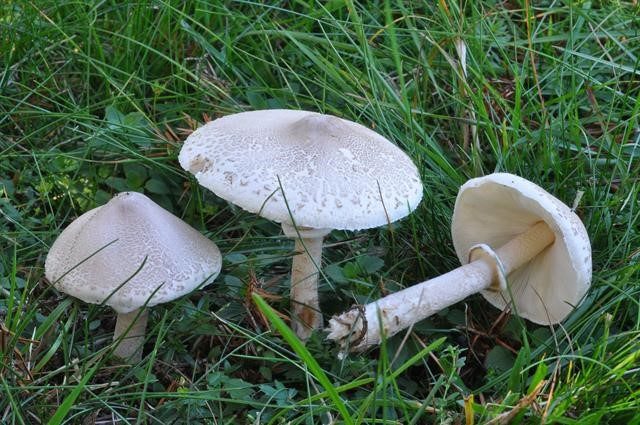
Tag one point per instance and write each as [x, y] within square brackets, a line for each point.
[305, 356]
[67, 404]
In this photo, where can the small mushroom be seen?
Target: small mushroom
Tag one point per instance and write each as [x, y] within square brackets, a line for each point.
[505, 229]
[130, 253]
[334, 174]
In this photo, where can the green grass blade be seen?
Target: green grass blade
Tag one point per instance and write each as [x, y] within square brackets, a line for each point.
[63, 410]
[305, 356]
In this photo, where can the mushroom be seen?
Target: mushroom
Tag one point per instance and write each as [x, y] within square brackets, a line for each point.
[505, 229]
[310, 172]
[130, 254]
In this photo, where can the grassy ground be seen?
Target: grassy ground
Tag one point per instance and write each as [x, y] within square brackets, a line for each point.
[96, 98]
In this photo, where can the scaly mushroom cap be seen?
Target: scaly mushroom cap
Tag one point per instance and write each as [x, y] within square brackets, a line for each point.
[494, 209]
[333, 171]
[104, 247]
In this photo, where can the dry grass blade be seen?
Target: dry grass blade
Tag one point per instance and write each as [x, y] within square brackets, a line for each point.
[506, 417]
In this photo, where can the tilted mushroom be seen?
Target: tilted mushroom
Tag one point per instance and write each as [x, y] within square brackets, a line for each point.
[505, 230]
[129, 254]
[334, 174]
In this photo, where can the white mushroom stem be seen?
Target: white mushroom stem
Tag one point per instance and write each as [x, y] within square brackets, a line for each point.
[305, 306]
[131, 327]
[398, 311]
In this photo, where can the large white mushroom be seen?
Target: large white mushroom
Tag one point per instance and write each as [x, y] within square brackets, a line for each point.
[310, 172]
[520, 247]
[129, 254]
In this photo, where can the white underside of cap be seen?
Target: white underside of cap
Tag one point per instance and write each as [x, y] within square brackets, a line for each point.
[494, 209]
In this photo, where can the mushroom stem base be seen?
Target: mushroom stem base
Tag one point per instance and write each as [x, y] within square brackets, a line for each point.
[363, 326]
[305, 306]
[131, 327]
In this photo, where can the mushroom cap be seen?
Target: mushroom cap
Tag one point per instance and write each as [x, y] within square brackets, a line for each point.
[332, 170]
[496, 208]
[105, 247]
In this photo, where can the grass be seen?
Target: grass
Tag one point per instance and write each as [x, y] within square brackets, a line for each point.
[96, 98]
